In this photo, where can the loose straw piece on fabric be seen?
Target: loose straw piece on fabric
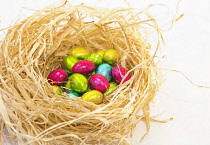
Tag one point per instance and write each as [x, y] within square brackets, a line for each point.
[30, 110]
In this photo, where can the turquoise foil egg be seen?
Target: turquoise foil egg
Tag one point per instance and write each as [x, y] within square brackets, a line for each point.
[105, 70]
[72, 94]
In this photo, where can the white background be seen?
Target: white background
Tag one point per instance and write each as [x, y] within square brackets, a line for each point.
[187, 49]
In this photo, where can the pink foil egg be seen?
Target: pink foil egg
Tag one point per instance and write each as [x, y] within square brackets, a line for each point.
[118, 73]
[57, 77]
[84, 67]
[99, 82]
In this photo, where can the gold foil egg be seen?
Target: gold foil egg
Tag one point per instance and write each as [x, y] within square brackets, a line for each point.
[101, 52]
[79, 52]
[93, 96]
[111, 56]
[58, 90]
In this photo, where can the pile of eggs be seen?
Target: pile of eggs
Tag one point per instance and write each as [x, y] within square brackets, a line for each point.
[90, 76]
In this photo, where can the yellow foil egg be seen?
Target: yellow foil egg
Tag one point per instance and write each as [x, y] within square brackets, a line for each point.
[111, 89]
[101, 52]
[58, 90]
[79, 52]
[111, 56]
[93, 96]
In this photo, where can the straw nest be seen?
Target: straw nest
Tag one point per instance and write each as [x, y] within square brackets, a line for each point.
[31, 112]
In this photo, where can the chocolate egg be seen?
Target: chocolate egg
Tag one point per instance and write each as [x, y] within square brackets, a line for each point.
[68, 62]
[101, 52]
[58, 90]
[79, 52]
[119, 73]
[79, 82]
[84, 67]
[111, 89]
[111, 56]
[67, 70]
[93, 96]
[67, 86]
[95, 58]
[99, 82]
[57, 77]
[105, 70]
[72, 94]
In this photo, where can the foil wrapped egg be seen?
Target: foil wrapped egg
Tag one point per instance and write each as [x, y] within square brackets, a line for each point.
[79, 82]
[57, 77]
[101, 52]
[84, 67]
[99, 82]
[111, 89]
[79, 52]
[67, 70]
[119, 74]
[105, 70]
[68, 63]
[111, 56]
[93, 96]
[95, 58]
[72, 94]
[67, 86]
[57, 90]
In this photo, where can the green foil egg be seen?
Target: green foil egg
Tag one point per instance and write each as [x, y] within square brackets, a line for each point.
[79, 52]
[67, 70]
[95, 58]
[79, 82]
[57, 90]
[67, 86]
[111, 56]
[68, 63]
[93, 96]
[111, 89]
[72, 94]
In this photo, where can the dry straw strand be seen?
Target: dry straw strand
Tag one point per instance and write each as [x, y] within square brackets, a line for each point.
[30, 110]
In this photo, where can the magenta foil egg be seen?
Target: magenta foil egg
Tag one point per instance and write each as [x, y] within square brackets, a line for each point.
[57, 77]
[99, 82]
[118, 73]
[83, 67]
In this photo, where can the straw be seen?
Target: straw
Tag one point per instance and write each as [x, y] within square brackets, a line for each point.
[30, 110]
